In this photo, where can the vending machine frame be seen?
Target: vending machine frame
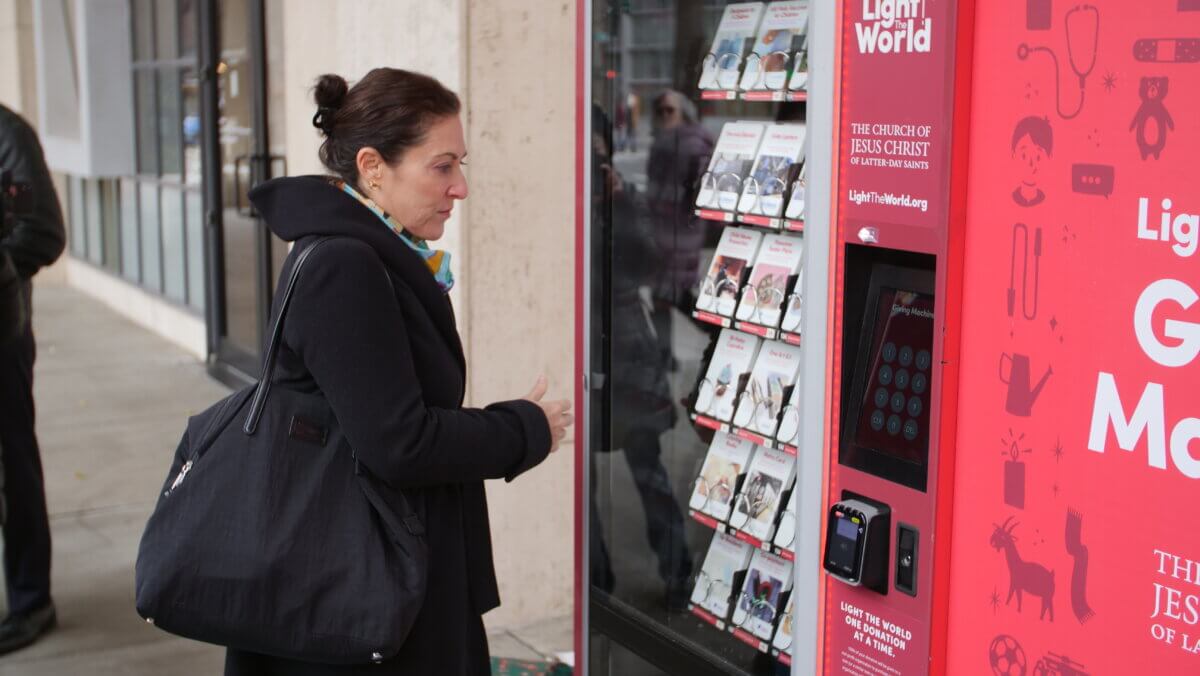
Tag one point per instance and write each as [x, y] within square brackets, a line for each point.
[807, 581]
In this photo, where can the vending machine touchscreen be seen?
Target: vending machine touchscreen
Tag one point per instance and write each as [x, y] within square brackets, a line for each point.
[886, 430]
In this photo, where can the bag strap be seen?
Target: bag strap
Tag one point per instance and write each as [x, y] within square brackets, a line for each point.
[264, 380]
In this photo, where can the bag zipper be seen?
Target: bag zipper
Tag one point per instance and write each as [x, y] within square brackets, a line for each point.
[183, 471]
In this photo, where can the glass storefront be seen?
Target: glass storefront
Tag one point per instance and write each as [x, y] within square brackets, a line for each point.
[689, 571]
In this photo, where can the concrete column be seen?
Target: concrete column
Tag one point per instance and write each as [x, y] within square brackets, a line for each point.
[521, 61]
[349, 40]
[17, 72]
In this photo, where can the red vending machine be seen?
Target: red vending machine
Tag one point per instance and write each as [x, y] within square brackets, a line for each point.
[1015, 439]
[902, 120]
[1074, 548]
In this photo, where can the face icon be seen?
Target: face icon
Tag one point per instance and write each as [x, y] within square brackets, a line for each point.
[1028, 158]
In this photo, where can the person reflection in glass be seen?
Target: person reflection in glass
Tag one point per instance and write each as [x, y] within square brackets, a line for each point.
[679, 152]
[641, 409]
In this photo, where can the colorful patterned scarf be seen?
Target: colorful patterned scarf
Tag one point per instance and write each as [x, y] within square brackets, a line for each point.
[436, 260]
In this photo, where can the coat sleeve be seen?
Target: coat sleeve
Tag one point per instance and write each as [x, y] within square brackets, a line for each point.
[346, 326]
[38, 238]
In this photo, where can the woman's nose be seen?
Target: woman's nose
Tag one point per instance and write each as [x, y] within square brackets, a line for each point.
[458, 189]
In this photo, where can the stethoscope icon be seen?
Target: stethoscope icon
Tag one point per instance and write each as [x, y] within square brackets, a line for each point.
[1081, 20]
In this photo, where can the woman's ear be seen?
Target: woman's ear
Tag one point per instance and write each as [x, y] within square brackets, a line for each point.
[370, 164]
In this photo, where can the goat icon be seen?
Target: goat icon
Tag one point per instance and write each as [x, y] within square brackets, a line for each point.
[1024, 576]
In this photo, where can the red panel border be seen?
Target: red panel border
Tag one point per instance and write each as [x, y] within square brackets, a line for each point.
[952, 347]
[580, 251]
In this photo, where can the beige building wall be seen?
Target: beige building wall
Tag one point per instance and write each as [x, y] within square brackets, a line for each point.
[521, 98]
[17, 73]
[512, 246]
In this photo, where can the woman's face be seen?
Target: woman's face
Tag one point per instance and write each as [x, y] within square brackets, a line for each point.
[420, 189]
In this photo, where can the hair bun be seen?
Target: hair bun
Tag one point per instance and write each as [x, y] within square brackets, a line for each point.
[329, 93]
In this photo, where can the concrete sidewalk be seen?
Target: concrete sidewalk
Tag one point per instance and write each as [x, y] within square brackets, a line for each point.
[112, 401]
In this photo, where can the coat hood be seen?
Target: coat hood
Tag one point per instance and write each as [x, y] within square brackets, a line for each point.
[295, 207]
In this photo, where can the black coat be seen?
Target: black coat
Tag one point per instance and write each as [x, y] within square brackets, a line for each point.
[386, 354]
[38, 237]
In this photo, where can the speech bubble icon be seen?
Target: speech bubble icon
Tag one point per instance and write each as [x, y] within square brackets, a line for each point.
[1092, 179]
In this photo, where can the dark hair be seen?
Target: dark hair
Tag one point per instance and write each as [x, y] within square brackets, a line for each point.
[1039, 132]
[389, 110]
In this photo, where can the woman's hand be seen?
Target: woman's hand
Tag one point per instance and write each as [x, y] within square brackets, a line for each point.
[557, 412]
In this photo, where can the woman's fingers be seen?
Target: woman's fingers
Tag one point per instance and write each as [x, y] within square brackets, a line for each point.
[539, 390]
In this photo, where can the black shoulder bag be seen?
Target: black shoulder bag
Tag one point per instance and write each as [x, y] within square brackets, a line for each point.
[269, 537]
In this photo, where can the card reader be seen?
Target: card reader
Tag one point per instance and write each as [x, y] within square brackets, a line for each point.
[856, 543]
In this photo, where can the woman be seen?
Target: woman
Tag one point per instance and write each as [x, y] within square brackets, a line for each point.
[371, 327]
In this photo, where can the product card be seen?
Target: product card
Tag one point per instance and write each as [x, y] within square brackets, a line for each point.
[799, 79]
[771, 473]
[785, 536]
[780, 35]
[774, 371]
[727, 459]
[783, 635]
[779, 258]
[720, 287]
[789, 422]
[795, 207]
[738, 24]
[731, 359]
[758, 604]
[781, 148]
[731, 161]
[727, 556]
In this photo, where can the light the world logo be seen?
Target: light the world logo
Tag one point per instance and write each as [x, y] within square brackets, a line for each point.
[894, 27]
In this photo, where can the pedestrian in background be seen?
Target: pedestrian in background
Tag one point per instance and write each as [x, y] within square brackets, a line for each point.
[371, 327]
[33, 240]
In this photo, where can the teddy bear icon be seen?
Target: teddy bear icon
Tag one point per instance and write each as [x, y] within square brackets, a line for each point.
[1152, 120]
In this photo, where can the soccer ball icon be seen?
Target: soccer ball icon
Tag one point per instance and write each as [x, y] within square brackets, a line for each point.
[1006, 656]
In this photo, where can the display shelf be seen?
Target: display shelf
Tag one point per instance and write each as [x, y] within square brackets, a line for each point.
[710, 423]
[783, 658]
[789, 338]
[750, 639]
[722, 527]
[718, 95]
[706, 520]
[750, 539]
[759, 330]
[753, 437]
[760, 221]
[718, 215]
[787, 448]
[714, 319]
[707, 616]
[764, 95]
[793, 225]
[765, 222]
